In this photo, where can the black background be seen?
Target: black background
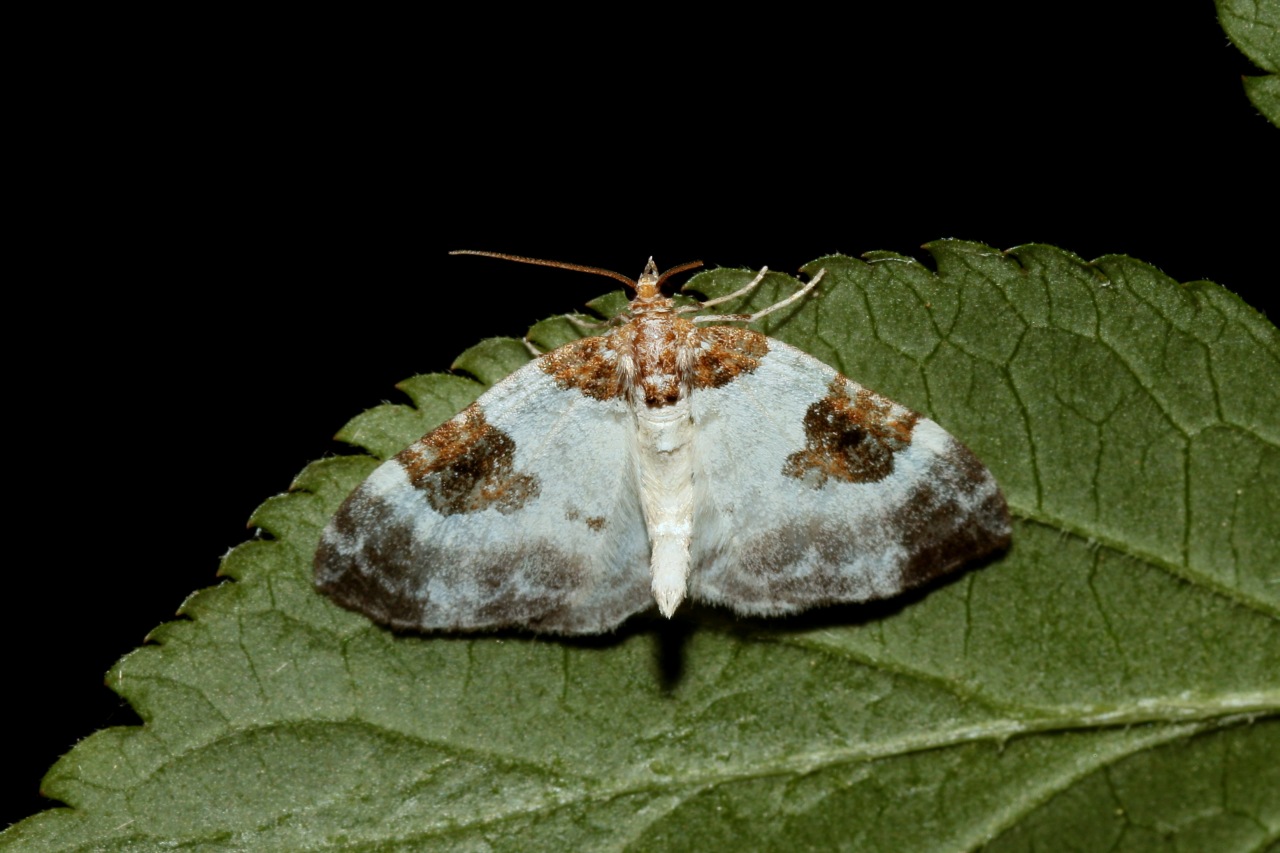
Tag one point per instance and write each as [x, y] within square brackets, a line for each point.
[242, 240]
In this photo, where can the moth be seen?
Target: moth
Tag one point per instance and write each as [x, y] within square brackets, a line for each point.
[665, 459]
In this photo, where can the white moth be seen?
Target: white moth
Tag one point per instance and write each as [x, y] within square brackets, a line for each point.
[662, 460]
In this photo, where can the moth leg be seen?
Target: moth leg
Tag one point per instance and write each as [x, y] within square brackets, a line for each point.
[799, 294]
[751, 318]
[720, 299]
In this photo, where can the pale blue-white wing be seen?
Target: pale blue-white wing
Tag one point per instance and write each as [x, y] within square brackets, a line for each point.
[811, 490]
[522, 511]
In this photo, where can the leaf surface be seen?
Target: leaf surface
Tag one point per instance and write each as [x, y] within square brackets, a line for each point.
[1254, 27]
[1114, 680]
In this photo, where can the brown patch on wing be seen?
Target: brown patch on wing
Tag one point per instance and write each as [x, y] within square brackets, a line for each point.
[589, 366]
[595, 523]
[468, 465]
[365, 562]
[957, 515]
[850, 439]
[952, 515]
[537, 594]
[370, 560]
[725, 353]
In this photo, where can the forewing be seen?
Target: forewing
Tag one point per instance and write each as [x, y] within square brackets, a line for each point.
[812, 490]
[522, 511]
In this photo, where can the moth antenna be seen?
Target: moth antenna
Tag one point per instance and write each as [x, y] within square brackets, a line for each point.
[692, 265]
[561, 264]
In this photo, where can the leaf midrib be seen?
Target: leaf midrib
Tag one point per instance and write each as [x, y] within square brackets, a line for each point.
[1162, 732]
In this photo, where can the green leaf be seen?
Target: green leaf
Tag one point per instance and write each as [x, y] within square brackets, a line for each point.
[1112, 683]
[1265, 94]
[1254, 27]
